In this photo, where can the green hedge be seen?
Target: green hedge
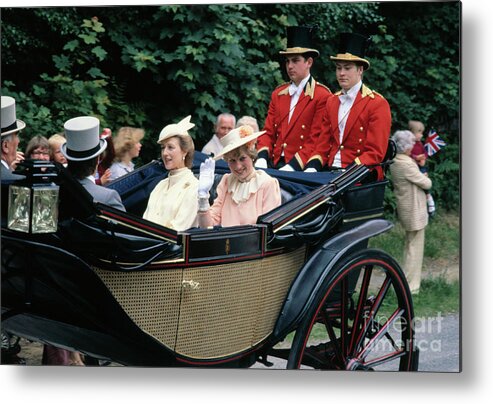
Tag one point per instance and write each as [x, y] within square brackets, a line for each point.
[153, 65]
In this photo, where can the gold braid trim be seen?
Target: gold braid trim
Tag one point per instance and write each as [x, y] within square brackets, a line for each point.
[316, 157]
[310, 88]
[264, 148]
[298, 159]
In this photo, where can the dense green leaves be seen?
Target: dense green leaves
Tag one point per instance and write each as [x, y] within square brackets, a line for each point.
[150, 66]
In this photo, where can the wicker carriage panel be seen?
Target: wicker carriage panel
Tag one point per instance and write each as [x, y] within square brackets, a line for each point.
[275, 284]
[150, 298]
[235, 306]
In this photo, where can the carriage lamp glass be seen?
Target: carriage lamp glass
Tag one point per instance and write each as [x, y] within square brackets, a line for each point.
[33, 209]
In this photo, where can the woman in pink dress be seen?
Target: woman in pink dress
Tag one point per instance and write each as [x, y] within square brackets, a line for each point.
[242, 195]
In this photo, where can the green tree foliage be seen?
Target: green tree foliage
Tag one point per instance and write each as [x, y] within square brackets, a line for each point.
[153, 65]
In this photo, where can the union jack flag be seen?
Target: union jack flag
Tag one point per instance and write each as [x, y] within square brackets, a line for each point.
[433, 143]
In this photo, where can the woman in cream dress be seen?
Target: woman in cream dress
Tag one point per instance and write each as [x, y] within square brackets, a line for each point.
[173, 202]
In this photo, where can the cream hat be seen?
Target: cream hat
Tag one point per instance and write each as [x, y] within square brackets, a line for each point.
[83, 142]
[236, 138]
[176, 129]
[10, 123]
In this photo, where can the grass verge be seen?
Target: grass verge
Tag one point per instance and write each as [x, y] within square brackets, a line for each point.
[442, 238]
[437, 296]
[440, 288]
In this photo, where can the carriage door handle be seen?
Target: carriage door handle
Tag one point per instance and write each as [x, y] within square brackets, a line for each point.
[192, 285]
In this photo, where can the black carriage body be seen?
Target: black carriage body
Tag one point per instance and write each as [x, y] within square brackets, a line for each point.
[117, 287]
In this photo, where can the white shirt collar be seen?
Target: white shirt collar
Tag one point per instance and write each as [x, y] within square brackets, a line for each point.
[293, 88]
[5, 164]
[91, 178]
[353, 91]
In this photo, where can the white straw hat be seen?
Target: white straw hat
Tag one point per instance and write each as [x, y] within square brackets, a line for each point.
[83, 141]
[236, 138]
[10, 123]
[176, 129]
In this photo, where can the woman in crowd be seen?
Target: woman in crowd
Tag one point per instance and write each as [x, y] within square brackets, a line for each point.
[245, 193]
[409, 189]
[56, 142]
[38, 148]
[173, 202]
[103, 172]
[127, 147]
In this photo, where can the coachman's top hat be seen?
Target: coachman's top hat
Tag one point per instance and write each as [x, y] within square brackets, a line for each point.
[83, 141]
[299, 41]
[352, 48]
[10, 124]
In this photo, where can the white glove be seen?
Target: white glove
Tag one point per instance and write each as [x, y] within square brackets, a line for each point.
[206, 177]
[286, 167]
[310, 170]
[261, 163]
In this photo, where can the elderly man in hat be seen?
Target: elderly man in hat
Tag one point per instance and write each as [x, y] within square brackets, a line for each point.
[82, 150]
[10, 138]
[294, 118]
[357, 120]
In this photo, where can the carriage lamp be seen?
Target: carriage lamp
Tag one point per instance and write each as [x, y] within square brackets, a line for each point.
[33, 202]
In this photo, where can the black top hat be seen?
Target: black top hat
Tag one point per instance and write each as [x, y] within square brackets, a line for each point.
[352, 48]
[299, 40]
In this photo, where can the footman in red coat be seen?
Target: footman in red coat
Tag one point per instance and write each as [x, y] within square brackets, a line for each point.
[357, 120]
[296, 108]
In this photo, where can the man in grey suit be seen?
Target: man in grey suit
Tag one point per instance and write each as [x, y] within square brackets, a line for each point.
[82, 150]
[11, 126]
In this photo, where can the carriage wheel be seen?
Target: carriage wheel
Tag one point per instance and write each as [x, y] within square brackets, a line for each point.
[361, 320]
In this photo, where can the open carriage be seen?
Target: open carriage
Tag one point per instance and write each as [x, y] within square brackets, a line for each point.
[300, 285]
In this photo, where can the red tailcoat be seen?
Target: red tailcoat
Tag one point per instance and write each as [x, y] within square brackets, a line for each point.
[298, 137]
[366, 134]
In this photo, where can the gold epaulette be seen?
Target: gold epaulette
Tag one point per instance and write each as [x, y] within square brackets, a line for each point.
[380, 95]
[282, 84]
[365, 91]
[282, 92]
[371, 93]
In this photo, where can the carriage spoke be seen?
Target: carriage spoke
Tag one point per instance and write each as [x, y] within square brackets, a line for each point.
[386, 358]
[370, 319]
[344, 315]
[333, 338]
[380, 334]
[361, 302]
[364, 314]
